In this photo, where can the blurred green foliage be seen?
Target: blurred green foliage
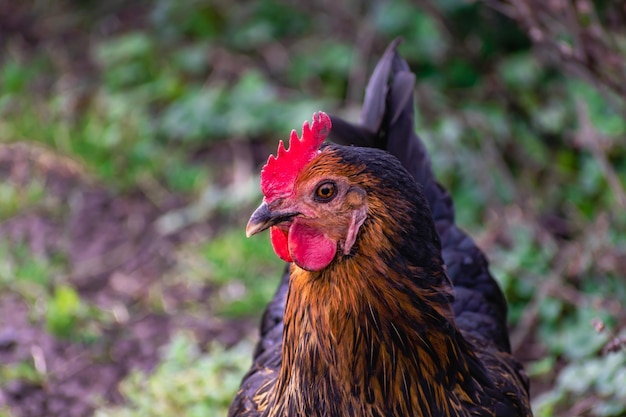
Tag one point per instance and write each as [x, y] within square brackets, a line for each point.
[223, 264]
[526, 148]
[243, 289]
[600, 381]
[24, 371]
[16, 199]
[36, 278]
[187, 382]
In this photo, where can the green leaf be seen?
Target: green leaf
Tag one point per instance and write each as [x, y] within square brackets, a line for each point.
[62, 311]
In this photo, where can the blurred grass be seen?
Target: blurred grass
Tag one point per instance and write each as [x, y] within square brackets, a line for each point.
[534, 156]
[187, 380]
[223, 264]
[243, 289]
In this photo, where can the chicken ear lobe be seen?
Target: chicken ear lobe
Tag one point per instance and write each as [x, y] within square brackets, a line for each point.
[358, 217]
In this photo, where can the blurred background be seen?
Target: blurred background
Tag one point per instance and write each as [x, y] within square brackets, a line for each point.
[132, 134]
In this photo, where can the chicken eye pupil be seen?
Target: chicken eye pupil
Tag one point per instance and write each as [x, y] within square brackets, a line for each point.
[325, 191]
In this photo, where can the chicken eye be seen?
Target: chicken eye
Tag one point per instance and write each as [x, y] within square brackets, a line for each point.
[325, 191]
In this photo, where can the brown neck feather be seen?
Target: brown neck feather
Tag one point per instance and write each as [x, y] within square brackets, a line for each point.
[373, 334]
[362, 339]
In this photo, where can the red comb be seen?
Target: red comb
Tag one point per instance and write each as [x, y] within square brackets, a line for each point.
[280, 171]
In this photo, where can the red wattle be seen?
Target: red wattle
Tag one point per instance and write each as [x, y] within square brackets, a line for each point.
[309, 248]
[279, 243]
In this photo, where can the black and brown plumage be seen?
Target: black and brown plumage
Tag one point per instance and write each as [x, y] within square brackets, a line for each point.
[388, 308]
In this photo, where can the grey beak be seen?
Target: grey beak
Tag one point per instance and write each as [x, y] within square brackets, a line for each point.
[260, 220]
[264, 218]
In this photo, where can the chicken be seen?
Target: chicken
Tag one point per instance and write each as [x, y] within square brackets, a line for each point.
[387, 307]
